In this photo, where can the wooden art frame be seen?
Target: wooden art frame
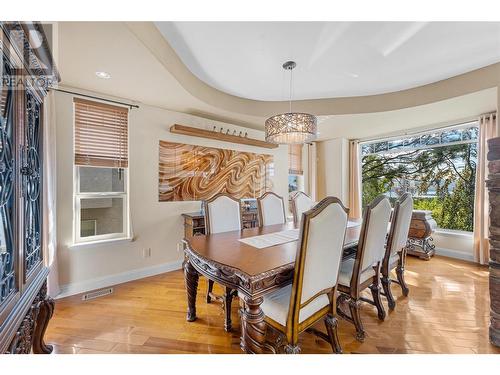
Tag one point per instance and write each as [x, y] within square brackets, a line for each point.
[195, 173]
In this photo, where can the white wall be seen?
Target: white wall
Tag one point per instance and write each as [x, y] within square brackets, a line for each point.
[156, 225]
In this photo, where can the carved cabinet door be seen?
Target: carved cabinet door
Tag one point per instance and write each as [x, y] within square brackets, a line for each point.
[31, 187]
[9, 278]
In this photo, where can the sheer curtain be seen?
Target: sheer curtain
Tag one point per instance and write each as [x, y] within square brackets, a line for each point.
[487, 130]
[49, 193]
[354, 180]
[311, 170]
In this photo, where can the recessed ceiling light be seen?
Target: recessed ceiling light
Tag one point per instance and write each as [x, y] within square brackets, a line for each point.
[103, 75]
[354, 75]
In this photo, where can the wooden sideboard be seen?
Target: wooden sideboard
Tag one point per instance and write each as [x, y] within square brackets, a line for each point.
[25, 308]
[194, 222]
[422, 227]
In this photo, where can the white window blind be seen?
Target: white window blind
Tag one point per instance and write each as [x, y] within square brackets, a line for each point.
[295, 159]
[101, 134]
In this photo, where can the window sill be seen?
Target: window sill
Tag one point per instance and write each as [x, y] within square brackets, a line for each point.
[454, 233]
[83, 245]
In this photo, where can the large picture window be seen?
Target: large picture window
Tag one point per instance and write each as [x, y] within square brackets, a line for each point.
[295, 170]
[438, 168]
[101, 171]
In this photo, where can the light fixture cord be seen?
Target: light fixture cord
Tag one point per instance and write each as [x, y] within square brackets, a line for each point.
[290, 97]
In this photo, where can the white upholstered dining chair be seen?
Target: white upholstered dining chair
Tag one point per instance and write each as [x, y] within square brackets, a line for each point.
[312, 294]
[271, 209]
[301, 202]
[363, 271]
[395, 252]
[222, 214]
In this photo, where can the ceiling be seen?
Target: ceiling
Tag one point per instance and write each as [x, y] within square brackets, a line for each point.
[334, 59]
[139, 74]
[136, 75]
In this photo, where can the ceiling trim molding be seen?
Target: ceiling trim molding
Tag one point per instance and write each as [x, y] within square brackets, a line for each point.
[476, 80]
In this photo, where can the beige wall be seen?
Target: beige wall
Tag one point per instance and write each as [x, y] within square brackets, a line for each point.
[155, 225]
[333, 169]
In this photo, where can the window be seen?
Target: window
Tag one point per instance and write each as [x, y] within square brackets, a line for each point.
[293, 183]
[101, 171]
[437, 167]
[295, 159]
[295, 171]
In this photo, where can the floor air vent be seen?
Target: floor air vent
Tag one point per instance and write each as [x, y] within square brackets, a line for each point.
[97, 293]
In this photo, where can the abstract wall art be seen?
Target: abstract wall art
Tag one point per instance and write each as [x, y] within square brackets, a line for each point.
[189, 173]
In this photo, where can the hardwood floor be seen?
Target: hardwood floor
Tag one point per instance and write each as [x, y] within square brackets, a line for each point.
[447, 311]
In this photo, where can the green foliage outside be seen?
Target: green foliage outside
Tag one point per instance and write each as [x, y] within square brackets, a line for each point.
[443, 181]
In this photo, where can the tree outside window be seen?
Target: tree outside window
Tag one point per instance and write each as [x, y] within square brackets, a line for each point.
[438, 168]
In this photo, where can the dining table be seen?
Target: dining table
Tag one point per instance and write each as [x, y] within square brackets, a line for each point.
[252, 271]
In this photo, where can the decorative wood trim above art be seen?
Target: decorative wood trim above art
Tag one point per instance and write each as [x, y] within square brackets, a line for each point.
[193, 173]
[196, 132]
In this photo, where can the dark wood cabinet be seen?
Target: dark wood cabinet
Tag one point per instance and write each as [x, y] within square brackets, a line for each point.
[422, 226]
[194, 222]
[25, 308]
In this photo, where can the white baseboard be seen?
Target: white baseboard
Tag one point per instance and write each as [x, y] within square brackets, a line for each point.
[450, 253]
[119, 278]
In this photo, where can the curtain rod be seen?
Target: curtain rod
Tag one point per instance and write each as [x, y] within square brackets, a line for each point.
[95, 97]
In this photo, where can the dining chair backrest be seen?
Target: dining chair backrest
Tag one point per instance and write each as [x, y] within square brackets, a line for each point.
[400, 224]
[319, 253]
[222, 214]
[271, 209]
[301, 202]
[371, 246]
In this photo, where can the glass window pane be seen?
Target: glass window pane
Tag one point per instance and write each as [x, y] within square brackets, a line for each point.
[412, 142]
[95, 180]
[380, 146]
[366, 149]
[101, 216]
[470, 133]
[451, 136]
[395, 144]
[293, 183]
[430, 139]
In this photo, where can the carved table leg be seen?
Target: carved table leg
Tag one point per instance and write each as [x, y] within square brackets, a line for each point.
[191, 277]
[253, 338]
[45, 313]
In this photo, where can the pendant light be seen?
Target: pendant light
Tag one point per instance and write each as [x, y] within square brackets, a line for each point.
[291, 127]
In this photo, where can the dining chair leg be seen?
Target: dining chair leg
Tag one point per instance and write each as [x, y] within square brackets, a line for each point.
[331, 324]
[210, 287]
[228, 298]
[386, 285]
[375, 289]
[400, 272]
[292, 349]
[354, 305]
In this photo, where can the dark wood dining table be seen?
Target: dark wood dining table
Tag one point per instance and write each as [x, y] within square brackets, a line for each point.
[253, 272]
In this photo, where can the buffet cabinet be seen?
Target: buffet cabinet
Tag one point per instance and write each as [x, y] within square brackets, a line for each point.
[420, 242]
[26, 68]
[194, 222]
